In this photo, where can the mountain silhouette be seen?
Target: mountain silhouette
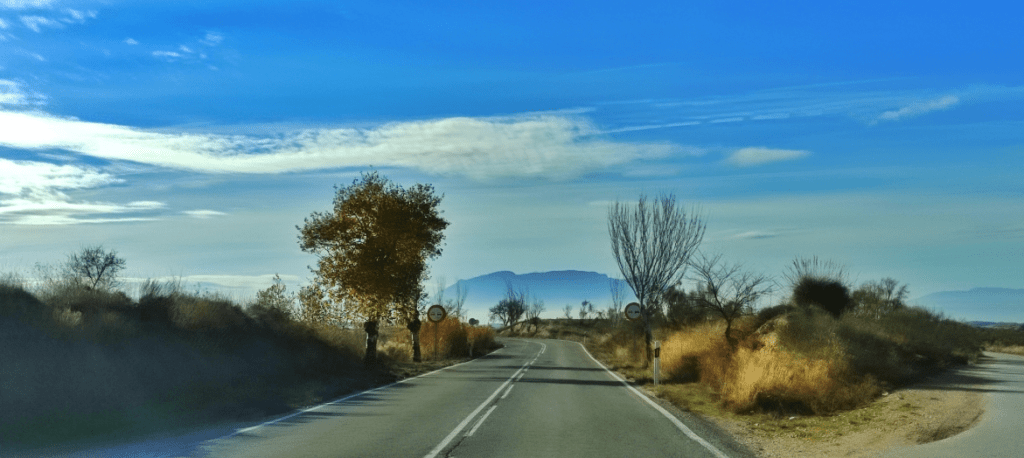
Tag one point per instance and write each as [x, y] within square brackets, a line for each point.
[556, 289]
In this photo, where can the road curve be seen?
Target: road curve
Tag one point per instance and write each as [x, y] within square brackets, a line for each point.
[998, 432]
[532, 398]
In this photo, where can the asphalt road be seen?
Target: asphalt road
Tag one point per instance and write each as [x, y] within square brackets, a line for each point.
[1000, 430]
[533, 398]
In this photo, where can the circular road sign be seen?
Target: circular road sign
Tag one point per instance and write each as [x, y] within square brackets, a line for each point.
[632, 311]
[436, 313]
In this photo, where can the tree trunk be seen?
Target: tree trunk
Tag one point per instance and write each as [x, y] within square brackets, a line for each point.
[371, 328]
[414, 328]
[728, 335]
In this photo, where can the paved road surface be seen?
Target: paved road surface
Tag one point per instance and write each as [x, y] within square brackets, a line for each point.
[533, 398]
[1000, 431]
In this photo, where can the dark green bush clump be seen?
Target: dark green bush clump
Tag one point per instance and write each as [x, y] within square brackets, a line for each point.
[830, 295]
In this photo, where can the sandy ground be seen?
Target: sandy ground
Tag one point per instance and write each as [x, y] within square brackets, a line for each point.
[912, 415]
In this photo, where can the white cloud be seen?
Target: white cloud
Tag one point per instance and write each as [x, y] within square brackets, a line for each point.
[540, 146]
[79, 17]
[755, 235]
[203, 214]
[28, 177]
[4, 24]
[130, 41]
[212, 39]
[36, 23]
[166, 54]
[185, 49]
[919, 108]
[11, 94]
[748, 157]
[24, 4]
[37, 197]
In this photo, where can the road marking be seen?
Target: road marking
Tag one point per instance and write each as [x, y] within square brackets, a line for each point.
[343, 399]
[507, 391]
[689, 433]
[484, 417]
[455, 432]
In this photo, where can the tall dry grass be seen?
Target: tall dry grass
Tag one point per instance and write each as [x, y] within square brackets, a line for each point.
[448, 339]
[762, 374]
[806, 361]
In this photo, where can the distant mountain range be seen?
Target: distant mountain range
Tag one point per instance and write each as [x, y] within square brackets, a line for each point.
[559, 288]
[556, 289]
[994, 305]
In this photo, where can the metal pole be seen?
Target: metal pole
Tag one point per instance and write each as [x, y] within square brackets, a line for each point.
[435, 341]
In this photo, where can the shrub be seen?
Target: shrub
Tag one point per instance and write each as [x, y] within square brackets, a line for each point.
[829, 294]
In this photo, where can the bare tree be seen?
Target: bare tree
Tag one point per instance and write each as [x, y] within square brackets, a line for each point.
[533, 314]
[94, 267]
[458, 303]
[618, 298]
[585, 308]
[568, 311]
[727, 290]
[511, 308]
[652, 243]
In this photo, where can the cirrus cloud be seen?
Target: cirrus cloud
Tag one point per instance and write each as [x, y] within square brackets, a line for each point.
[539, 146]
[919, 108]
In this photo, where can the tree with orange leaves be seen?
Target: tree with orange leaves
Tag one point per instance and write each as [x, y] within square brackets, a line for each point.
[372, 251]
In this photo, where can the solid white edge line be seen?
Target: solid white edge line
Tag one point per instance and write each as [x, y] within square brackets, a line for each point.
[342, 399]
[689, 433]
[482, 419]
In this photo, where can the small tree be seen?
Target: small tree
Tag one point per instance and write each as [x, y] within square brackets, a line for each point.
[727, 290]
[274, 300]
[585, 309]
[652, 244]
[568, 311]
[372, 250]
[94, 267]
[875, 299]
[511, 308]
[533, 314]
[683, 308]
[618, 298]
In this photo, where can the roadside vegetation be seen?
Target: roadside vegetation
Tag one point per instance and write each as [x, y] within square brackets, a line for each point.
[788, 359]
[84, 358]
[828, 347]
[96, 364]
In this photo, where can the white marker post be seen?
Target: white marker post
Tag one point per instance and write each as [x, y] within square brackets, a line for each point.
[657, 360]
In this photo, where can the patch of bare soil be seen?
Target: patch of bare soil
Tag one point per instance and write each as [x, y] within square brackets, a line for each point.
[928, 411]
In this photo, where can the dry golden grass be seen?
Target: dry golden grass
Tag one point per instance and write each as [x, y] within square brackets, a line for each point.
[438, 341]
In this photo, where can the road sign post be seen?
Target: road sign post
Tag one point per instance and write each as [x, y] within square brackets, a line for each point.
[436, 314]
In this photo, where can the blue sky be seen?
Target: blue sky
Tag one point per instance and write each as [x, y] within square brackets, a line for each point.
[193, 137]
